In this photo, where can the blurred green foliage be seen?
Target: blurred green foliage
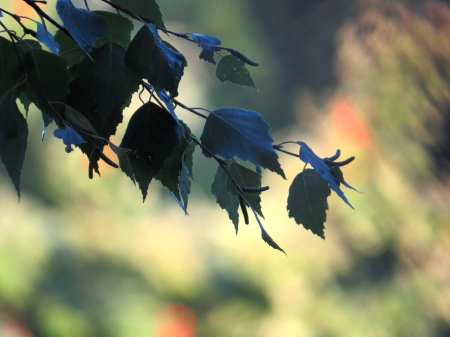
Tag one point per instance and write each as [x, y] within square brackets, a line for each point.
[86, 258]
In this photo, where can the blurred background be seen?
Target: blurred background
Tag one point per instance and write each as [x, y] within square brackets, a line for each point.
[83, 258]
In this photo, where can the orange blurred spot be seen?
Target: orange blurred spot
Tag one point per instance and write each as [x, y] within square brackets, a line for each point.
[22, 9]
[176, 320]
[346, 119]
[104, 168]
[14, 328]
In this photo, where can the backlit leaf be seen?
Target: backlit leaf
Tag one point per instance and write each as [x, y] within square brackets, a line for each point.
[232, 69]
[13, 138]
[231, 132]
[147, 9]
[84, 26]
[307, 201]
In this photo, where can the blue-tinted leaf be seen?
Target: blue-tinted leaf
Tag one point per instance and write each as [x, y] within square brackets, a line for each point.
[231, 132]
[307, 201]
[47, 120]
[46, 38]
[163, 96]
[152, 59]
[1, 14]
[147, 9]
[69, 136]
[308, 156]
[232, 69]
[84, 26]
[207, 43]
[13, 138]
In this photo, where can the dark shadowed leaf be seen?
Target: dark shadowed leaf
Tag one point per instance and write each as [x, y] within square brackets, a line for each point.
[308, 156]
[307, 201]
[226, 200]
[124, 160]
[245, 177]
[232, 69]
[152, 59]
[69, 49]
[11, 72]
[186, 174]
[69, 137]
[266, 237]
[337, 173]
[169, 174]
[147, 9]
[48, 80]
[151, 135]
[84, 26]
[207, 43]
[46, 38]
[13, 138]
[231, 132]
[107, 80]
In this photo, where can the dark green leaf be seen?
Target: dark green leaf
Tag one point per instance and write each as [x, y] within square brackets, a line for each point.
[107, 80]
[84, 26]
[152, 59]
[48, 80]
[11, 71]
[147, 9]
[232, 69]
[307, 201]
[231, 132]
[46, 38]
[226, 200]
[119, 29]
[124, 160]
[68, 49]
[308, 156]
[186, 174]
[266, 237]
[13, 138]
[169, 174]
[152, 134]
[245, 177]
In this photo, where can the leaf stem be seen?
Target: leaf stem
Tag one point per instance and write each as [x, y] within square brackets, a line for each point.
[18, 18]
[41, 13]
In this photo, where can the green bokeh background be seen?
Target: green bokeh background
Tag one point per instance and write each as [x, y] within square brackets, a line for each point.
[82, 257]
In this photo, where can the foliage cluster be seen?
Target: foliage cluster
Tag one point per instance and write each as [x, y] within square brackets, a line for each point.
[83, 77]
